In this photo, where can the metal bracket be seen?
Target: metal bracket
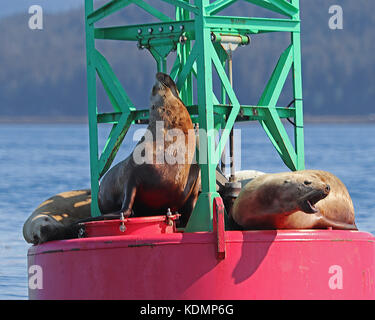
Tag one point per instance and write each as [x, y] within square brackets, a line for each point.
[219, 227]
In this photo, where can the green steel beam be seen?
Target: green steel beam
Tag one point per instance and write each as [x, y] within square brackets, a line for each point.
[183, 51]
[177, 65]
[297, 91]
[114, 117]
[92, 110]
[285, 6]
[275, 128]
[202, 215]
[112, 84]
[142, 31]
[120, 102]
[252, 24]
[106, 10]
[218, 5]
[186, 70]
[234, 101]
[247, 113]
[266, 5]
[151, 10]
[184, 5]
[113, 144]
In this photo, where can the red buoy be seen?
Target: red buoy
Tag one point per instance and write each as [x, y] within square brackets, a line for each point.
[155, 262]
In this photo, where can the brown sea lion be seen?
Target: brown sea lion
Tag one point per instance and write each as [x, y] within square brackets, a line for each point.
[306, 199]
[50, 219]
[166, 178]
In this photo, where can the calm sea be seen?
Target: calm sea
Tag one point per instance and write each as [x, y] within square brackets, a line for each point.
[38, 161]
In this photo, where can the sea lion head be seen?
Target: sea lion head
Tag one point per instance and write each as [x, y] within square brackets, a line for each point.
[163, 88]
[39, 229]
[298, 192]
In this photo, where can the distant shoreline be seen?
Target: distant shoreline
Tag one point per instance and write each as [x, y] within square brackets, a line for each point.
[370, 119]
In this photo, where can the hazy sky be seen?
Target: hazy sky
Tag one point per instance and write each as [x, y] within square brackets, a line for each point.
[9, 7]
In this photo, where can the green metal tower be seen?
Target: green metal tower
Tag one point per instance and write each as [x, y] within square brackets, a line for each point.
[196, 33]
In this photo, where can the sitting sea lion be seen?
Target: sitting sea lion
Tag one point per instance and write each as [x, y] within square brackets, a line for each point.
[306, 199]
[151, 187]
[50, 219]
[147, 188]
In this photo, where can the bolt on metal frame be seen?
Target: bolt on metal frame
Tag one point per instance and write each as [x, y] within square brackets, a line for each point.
[195, 33]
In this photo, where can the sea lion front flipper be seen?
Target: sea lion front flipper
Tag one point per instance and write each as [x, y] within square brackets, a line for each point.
[193, 185]
[130, 191]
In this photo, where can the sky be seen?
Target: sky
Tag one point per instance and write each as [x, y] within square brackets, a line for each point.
[9, 7]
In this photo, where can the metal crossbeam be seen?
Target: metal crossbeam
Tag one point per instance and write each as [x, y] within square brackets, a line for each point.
[106, 10]
[252, 25]
[218, 5]
[141, 31]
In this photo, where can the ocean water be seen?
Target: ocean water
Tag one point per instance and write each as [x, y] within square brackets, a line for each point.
[38, 161]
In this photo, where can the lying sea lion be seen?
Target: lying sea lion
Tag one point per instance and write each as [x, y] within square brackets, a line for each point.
[50, 220]
[151, 187]
[306, 199]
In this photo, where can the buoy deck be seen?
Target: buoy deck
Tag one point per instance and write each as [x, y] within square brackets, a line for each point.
[274, 264]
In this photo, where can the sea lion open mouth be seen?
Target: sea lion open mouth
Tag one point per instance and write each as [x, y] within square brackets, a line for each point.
[308, 207]
[307, 202]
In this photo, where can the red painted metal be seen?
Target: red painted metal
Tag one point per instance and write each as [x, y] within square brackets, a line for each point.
[219, 227]
[143, 225]
[278, 264]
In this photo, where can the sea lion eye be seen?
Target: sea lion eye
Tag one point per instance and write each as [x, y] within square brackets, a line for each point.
[307, 182]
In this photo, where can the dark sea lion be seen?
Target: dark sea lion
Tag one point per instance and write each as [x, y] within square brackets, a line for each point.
[150, 188]
[50, 219]
[306, 199]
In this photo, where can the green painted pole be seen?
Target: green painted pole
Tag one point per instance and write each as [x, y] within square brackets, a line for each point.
[201, 218]
[297, 89]
[92, 109]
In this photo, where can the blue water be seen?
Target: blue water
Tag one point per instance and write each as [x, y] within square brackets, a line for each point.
[38, 161]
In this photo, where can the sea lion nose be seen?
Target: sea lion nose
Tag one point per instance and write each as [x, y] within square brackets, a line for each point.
[327, 189]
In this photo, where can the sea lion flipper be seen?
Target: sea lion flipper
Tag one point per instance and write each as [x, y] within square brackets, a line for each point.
[324, 222]
[130, 191]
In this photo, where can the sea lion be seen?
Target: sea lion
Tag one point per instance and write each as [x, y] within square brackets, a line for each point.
[306, 199]
[50, 219]
[151, 187]
[148, 188]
